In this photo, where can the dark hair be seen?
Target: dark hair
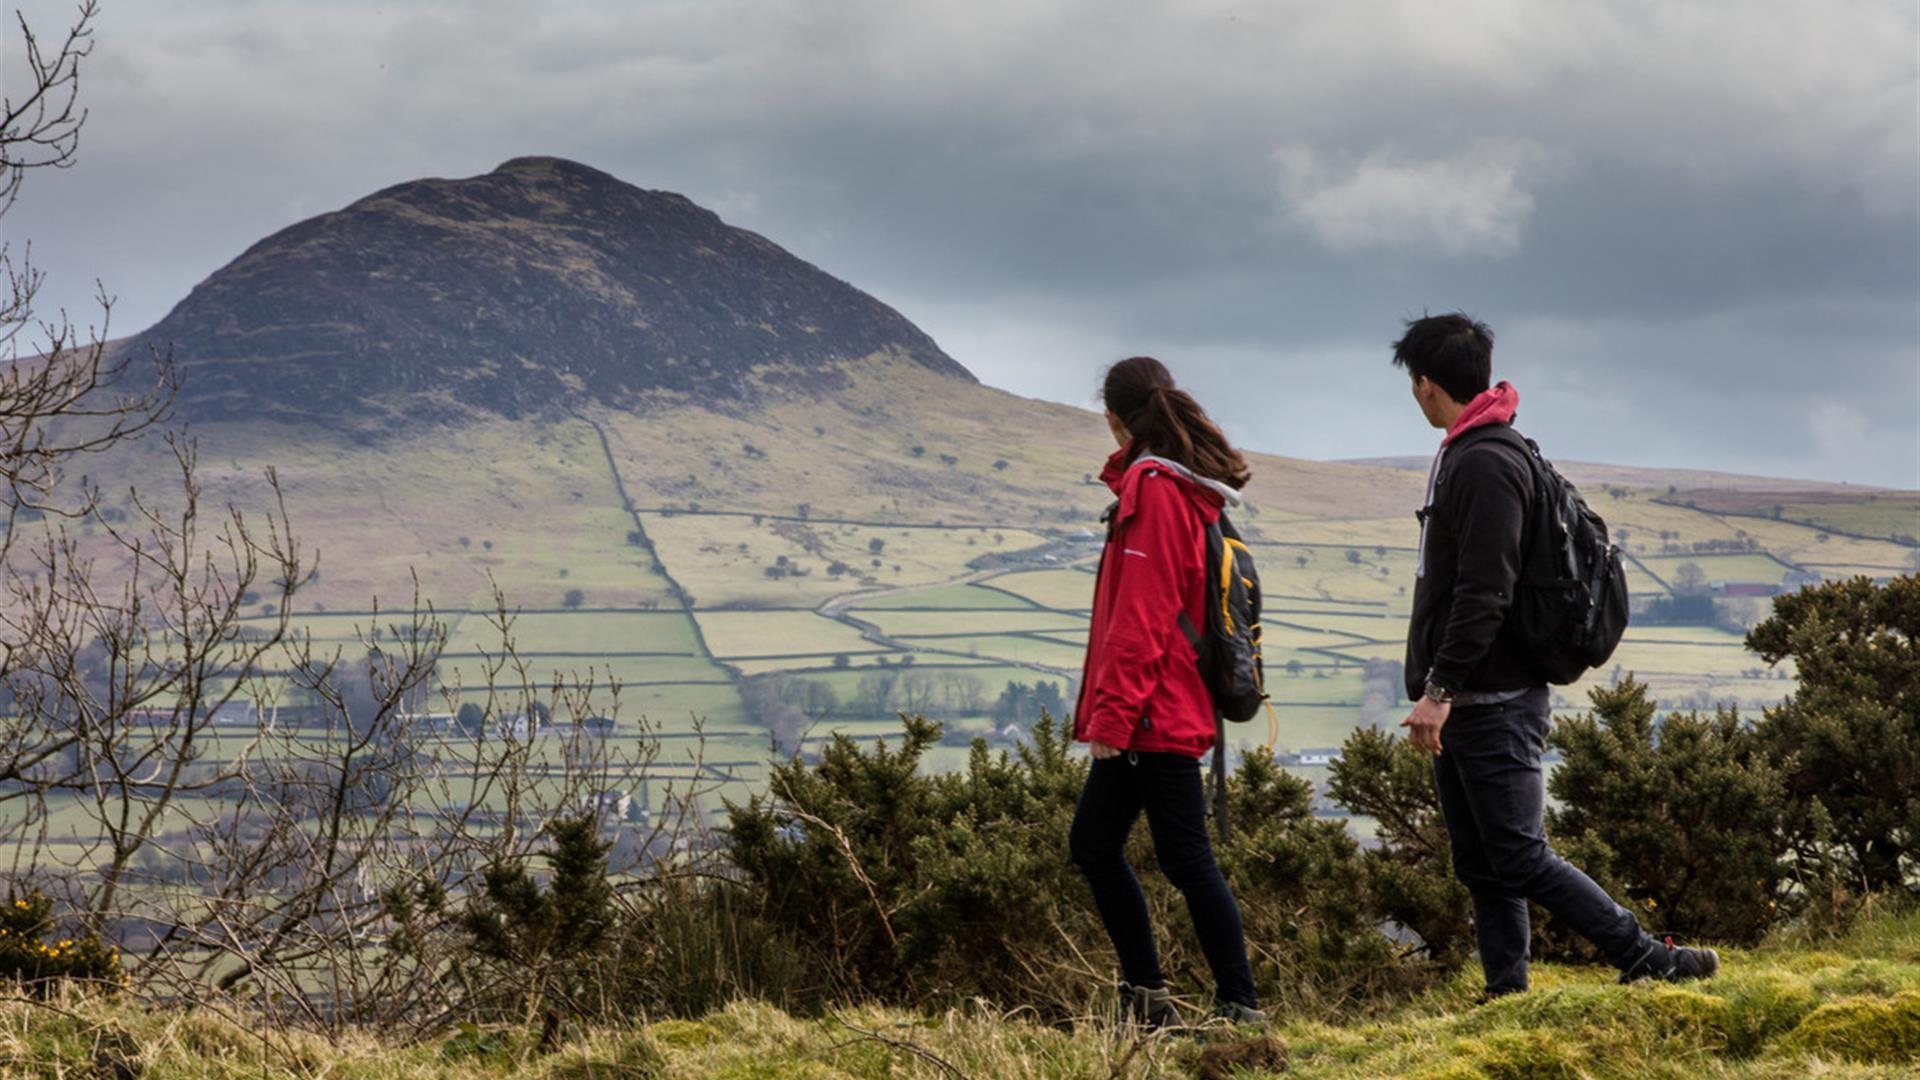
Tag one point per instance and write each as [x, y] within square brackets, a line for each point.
[1455, 351]
[1165, 419]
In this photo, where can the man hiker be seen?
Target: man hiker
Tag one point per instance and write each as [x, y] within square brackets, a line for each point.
[1481, 706]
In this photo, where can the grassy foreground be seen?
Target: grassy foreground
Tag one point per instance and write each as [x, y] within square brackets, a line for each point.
[1845, 1007]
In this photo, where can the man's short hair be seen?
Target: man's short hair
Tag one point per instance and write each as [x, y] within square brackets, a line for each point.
[1454, 350]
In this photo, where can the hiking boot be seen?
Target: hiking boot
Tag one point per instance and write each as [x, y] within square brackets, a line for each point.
[1237, 1014]
[1671, 963]
[1693, 964]
[1151, 1008]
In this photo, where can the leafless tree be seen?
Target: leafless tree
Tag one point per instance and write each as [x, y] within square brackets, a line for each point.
[256, 815]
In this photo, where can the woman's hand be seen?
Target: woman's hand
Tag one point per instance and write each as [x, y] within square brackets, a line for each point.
[1101, 751]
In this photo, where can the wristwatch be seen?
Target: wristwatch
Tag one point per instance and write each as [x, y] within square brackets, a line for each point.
[1438, 694]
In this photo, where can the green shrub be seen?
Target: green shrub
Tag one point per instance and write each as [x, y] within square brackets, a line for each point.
[1849, 740]
[1410, 874]
[1303, 893]
[904, 882]
[917, 888]
[545, 943]
[32, 950]
[1685, 816]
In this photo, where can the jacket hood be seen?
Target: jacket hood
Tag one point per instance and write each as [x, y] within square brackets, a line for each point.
[1496, 405]
[1118, 469]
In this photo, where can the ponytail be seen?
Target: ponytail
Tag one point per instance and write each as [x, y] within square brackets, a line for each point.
[1165, 419]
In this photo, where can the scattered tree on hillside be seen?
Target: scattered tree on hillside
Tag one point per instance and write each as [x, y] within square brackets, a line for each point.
[1021, 703]
[769, 700]
[1689, 579]
[814, 698]
[874, 693]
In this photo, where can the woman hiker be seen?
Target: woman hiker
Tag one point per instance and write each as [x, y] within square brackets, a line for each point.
[1143, 709]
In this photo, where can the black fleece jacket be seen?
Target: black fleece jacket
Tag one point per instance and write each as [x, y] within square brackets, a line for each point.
[1470, 560]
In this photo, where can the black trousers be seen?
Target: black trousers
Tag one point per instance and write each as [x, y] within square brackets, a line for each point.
[1167, 788]
[1493, 795]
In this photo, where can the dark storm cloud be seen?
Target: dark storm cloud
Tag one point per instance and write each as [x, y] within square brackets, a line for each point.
[1694, 226]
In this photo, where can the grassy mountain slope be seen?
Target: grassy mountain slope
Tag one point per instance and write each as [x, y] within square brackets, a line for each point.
[1845, 1008]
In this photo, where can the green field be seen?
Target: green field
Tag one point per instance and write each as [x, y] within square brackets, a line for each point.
[1720, 568]
[1372, 627]
[741, 634]
[943, 598]
[474, 671]
[1065, 590]
[874, 660]
[580, 632]
[1281, 636]
[925, 623]
[992, 676]
[1045, 653]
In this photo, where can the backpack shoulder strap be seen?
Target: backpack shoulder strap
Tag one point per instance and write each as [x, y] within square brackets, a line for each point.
[1506, 435]
[1501, 433]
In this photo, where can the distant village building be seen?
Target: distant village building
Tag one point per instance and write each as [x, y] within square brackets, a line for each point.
[1800, 579]
[236, 713]
[610, 804]
[517, 726]
[1326, 755]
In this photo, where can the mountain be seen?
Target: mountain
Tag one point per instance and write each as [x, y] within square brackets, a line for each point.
[542, 283]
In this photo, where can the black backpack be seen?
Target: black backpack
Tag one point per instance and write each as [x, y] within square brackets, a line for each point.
[1229, 647]
[1570, 605]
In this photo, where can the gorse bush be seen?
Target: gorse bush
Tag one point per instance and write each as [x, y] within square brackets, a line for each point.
[905, 886]
[1848, 741]
[1312, 931]
[33, 951]
[1687, 815]
[1410, 873]
[543, 946]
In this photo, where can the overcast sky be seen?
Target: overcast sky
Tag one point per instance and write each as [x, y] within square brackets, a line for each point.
[1695, 227]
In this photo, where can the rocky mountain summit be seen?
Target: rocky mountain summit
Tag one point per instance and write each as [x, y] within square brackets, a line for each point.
[542, 283]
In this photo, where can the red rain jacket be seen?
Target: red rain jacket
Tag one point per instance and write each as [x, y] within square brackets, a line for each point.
[1140, 688]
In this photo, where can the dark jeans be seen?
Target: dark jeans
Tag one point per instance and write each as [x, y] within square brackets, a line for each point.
[1167, 787]
[1493, 793]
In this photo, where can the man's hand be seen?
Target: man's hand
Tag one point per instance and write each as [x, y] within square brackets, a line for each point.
[1101, 751]
[1424, 722]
